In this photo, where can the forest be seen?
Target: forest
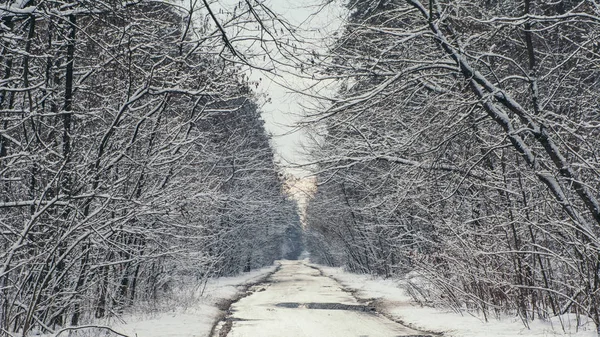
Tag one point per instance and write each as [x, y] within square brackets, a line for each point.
[460, 149]
[464, 145]
[132, 156]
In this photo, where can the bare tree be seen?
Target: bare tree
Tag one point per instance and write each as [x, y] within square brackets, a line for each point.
[116, 118]
[469, 127]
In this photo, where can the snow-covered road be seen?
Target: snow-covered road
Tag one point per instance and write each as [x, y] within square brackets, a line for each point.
[298, 301]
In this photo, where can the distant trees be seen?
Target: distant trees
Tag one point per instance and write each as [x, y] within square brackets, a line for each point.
[254, 220]
[464, 144]
[129, 154]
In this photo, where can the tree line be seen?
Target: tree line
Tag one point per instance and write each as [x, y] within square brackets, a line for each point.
[132, 155]
[463, 144]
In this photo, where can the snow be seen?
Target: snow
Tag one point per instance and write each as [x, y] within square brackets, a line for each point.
[297, 302]
[193, 311]
[396, 303]
[16, 8]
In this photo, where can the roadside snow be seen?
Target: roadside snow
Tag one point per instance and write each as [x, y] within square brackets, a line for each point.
[191, 317]
[400, 306]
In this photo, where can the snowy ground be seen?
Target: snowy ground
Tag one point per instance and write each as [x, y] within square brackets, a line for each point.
[399, 306]
[194, 314]
[284, 306]
[297, 301]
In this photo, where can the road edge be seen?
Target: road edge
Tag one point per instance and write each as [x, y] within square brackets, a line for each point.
[222, 325]
[377, 303]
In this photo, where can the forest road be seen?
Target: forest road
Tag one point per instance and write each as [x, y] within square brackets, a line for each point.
[298, 301]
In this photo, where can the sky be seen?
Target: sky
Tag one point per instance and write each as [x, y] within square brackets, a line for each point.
[286, 103]
[281, 92]
[285, 108]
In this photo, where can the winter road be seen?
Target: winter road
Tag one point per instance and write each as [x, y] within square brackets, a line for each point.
[298, 301]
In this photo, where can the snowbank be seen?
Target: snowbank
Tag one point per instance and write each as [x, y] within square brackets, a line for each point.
[397, 304]
[194, 314]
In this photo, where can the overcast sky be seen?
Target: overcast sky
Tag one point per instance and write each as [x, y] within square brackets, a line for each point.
[286, 108]
[282, 109]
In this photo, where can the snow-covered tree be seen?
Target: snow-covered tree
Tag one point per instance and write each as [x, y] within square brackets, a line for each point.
[129, 154]
[466, 131]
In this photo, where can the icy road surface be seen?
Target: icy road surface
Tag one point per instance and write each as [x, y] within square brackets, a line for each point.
[298, 301]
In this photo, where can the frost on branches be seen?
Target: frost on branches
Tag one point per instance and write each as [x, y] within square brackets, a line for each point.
[131, 155]
[463, 144]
